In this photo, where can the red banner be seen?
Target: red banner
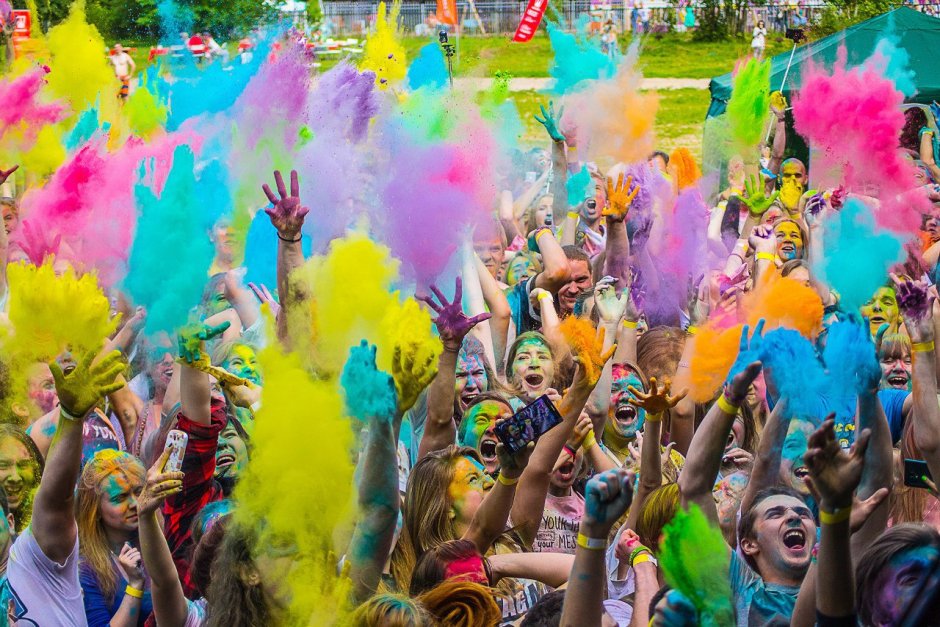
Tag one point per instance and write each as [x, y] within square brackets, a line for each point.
[530, 20]
[447, 12]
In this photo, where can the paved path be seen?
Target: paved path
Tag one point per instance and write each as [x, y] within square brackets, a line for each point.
[539, 84]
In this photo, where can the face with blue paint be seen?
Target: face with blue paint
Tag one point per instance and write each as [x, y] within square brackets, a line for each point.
[471, 378]
[897, 585]
[624, 419]
[789, 240]
[232, 455]
[476, 430]
[792, 467]
[243, 362]
[533, 368]
[118, 501]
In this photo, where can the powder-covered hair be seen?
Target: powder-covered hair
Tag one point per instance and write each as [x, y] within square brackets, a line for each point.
[458, 603]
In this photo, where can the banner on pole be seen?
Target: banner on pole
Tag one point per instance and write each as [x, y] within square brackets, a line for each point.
[530, 20]
[447, 12]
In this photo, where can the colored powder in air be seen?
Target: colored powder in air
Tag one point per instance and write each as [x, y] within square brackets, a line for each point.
[145, 113]
[785, 302]
[694, 559]
[500, 112]
[47, 152]
[616, 118]
[170, 227]
[687, 171]
[893, 61]
[857, 255]
[352, 298]
[84, 129]
[579, 186]
[714, 352]
[274, 101]
[581, 337]
[50, 312]
[261, 251]
[81, 73]
[367, 390]
[850, 358]
[281, 464]
[749, 104]
[853, 118]
[24, 101]
[428, 69]
[792, 366]
[577, 59]
[384, 53]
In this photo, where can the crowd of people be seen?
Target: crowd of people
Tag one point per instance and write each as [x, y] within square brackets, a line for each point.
[601, 432]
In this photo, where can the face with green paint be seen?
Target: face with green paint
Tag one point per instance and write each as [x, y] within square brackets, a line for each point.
[898, 585]
[882, 309]
[232, 455]
[520, 269]
[471, 378]
[18, 471]
[533, 368]
[476, 430]
[243, 362]
[118, 501]
[623, 418]
[792, 467]
[467, 489]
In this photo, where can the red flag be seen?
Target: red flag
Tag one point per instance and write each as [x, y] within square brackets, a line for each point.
[447, 12]
[530, 20]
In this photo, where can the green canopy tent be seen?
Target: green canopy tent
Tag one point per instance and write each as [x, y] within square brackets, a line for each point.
[917, 33]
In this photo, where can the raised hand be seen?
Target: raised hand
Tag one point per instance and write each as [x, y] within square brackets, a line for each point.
[451, 322]
[757, 201]
[589, 352]
[264, 296]
[834, 473]
[192, 336]
[5, 174]
[129, 559]
[511, 465]
[550, 120]
[370, 392]
[287, 214]
[81, 389]
[657, 401]
[610, 307]
[619, 198]
[607, 496]
[914, 300]
[762, 239]
[410, 377]
[747, 365]
[778, 104]
[159, 485]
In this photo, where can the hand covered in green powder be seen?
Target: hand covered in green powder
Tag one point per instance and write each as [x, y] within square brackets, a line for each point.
[550, 120]
[757, 201]
[81, 389]
[192, 336]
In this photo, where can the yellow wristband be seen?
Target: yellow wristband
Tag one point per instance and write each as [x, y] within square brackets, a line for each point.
[726, 406]
[832, 518]
[589, 441]
[691, 330]
[506, 480]
[131, 591]
[542, 231]
[573, 215]
[767, 256]
[924, 347]
[654, 417]
[642, 557]
[543, 295]
[629, 324]
[593, 544]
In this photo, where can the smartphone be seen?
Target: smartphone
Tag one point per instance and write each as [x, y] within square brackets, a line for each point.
[528, 424]
[175, 443]
[914, 472]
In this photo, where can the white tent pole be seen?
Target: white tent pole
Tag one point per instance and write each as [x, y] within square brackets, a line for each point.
[783, 84]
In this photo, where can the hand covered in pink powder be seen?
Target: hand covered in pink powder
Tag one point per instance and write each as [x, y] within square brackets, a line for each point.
[452, 324]
[287, 214]
[264, 296]
[916, 306]
[5, 174]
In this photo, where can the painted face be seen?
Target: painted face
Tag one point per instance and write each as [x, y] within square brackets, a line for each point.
[882, 309]
[243, 362]
[520, 268]
[476, 430]
[592, 206]
[161, 366]
[792, 467]
[932, 225]
[579, 282]
[532, 368]
[18, 471]
[467, 489]
[232, 455]
[625, 419]
[118, 501]
[543, 209]
[793, 182]
[471, 379]
[10, 218]
[898, 584]
[789, 240]
[491, 253]
[896, 371]
[41, 388]
[728, 494]
[215, 301]
[785, 533]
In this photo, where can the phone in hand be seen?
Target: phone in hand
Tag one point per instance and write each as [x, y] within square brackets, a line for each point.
[528, 424]
[176, 441]
[914, 472]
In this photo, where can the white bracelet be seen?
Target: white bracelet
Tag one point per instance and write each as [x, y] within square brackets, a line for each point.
[69, 416]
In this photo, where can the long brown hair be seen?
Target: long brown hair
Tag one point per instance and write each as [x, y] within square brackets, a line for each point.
[236, 597]
[907, 504]
[92, 539]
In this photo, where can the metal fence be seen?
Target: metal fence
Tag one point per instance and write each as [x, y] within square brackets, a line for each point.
[352, 17]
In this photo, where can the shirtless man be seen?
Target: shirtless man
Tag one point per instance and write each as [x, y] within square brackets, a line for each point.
[124, 66]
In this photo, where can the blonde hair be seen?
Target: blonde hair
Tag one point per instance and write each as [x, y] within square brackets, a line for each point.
[92, 539]
[391, 610]
[457, 603]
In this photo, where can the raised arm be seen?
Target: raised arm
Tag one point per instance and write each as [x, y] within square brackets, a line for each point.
[554, 272]
[195, 394]
[440, 430]
[550, 121]
[778, 106]
[498, 305]
[53, 522]
[611, 309]
[926, 413]
[287, 217]
[606, 497]
[617, 259]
